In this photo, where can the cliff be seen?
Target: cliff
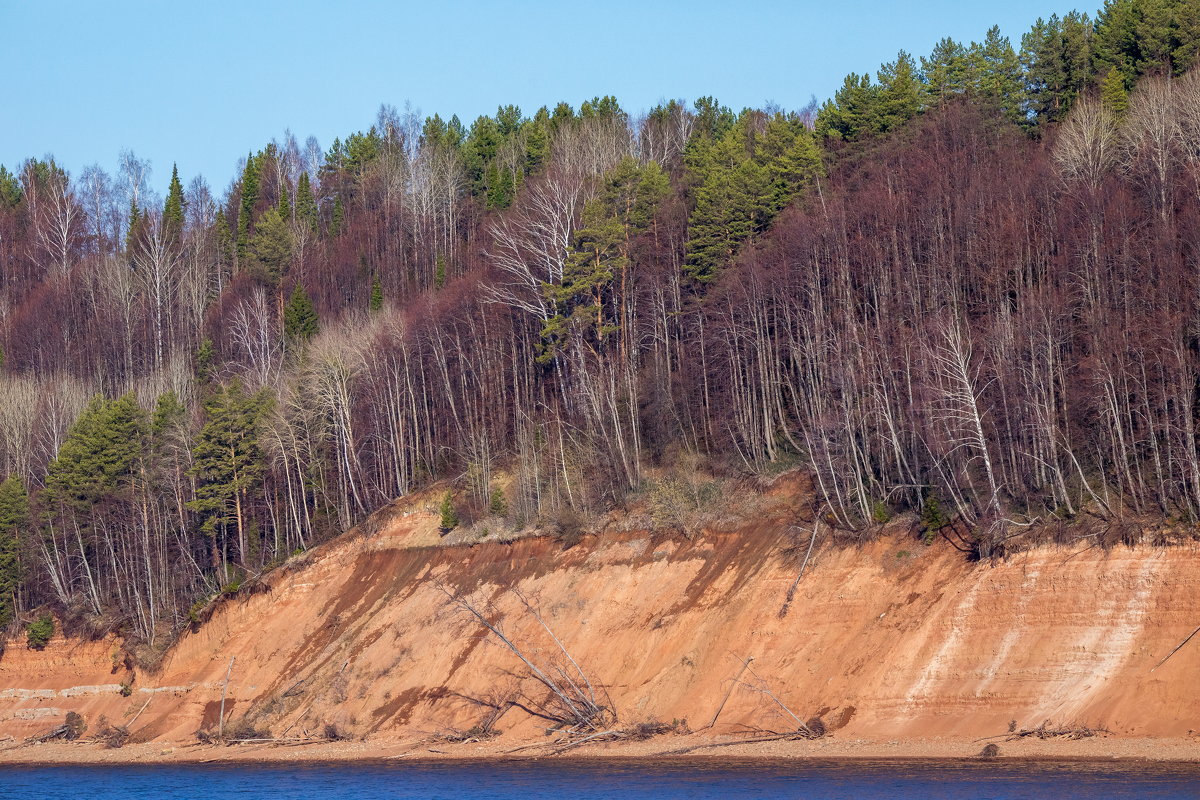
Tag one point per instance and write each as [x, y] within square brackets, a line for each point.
[884, 640]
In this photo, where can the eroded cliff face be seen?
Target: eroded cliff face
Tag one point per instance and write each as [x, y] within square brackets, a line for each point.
[891, 639]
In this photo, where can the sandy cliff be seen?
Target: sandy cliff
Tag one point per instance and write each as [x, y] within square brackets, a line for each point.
[888, 640]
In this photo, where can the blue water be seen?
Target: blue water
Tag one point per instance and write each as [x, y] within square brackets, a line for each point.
[564, 780]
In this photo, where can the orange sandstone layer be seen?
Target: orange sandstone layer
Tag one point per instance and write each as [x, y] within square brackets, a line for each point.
[898, 647]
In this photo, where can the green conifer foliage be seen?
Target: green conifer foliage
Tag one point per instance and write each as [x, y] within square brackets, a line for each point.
[1001, 83]
[337, 219]
[376, 294]
[10, 189]
[853, 112]
[947, 72]
[300, 322]
[733, 200]
[270, 250]
[249, 191]
[448, 517]
[174, 209]
[439, 273]
[900, 93]
[306, 204]
[228, 464]
[284, 206]
[97, 457]
[15, 522]
[1113, 93]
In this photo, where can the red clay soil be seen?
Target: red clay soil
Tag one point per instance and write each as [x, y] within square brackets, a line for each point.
[901, 649]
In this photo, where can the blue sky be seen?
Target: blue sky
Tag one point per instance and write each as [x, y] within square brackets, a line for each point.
[202, 83]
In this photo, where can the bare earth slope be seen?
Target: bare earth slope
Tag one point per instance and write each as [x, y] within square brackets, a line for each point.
[890, 641]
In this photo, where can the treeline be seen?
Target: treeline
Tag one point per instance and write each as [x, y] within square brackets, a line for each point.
[968, 288]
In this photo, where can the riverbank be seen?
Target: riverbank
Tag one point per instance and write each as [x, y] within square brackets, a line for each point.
[1098, 748]
[901, 649]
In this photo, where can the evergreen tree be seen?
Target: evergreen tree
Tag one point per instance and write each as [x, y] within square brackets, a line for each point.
[1001, 83]
[733, 202]
[337, 218]
[300, 322]
[284, 206]
[97, 458]
[134, 231]
[306, 204]
[447, 516]
[249, 196]
[1187, 35]
[1113, 93]
[537, 141]
[853, 112]
[10, 189]
[14, 523]
[174, 209]
[479, 151]
[270, 250]
[947, 72]
[203, 360]
[713, 120]
[791, 157]
[376, 294]
[439, 272]
[900, 93]
[228, 465]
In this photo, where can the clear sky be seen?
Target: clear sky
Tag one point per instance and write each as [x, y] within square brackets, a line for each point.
[203, 82]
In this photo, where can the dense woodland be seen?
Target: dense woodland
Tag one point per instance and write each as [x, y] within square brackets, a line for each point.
[966, 286]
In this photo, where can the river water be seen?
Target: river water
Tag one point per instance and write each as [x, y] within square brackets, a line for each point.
[564, 780]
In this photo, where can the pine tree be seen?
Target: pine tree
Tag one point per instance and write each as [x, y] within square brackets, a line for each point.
[249, 191]
[946, 71]
[203, 360]
[134, 231]
[14, 521]
[853, 112]
[900, 93]
[1001, 83]
[270, 250]
[306, 204]
[300, 322]
[98, 456]
[174, 209]
[228, 464]
[284, 206]
[337, 219]
[10, 189]
[734, 200]
[1113, 93]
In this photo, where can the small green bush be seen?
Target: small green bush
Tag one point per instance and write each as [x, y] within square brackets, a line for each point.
[449, 517]
[39, 633]
[497, 505]
[933, 517]
[880, 513]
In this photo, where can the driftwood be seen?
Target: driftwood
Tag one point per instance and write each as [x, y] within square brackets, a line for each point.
[1178, 647]
[290, 741]
[812, 539]
[70, 730]
[775, 737]
[1046, 731]
[224, 691]
[573, 706]
[737, 679]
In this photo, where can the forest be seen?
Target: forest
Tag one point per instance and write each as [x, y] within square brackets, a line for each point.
[965, 286]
